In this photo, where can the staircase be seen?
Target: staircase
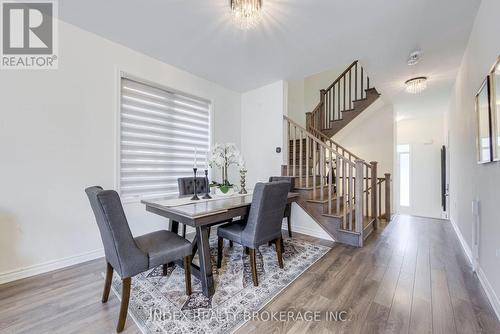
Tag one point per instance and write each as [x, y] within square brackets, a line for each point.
[338, 189]
[342, 101]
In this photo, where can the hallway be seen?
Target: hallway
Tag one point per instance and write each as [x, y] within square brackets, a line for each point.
[411, 277]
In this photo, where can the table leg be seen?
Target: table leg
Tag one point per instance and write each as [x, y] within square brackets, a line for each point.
[207, 281]
[173, 226]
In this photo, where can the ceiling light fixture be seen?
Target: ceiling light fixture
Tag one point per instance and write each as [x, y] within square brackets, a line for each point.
[416, 85]
[414, 58]
[246, 13]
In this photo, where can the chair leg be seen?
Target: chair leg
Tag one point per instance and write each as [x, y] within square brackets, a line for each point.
[165, 269]
[247, 251]
[220, 248]
[124, 304]
[279, 252]
[107, 283]
[253, 264]
[289, 227]
[230, 243]
[187, 274]
[184, 230]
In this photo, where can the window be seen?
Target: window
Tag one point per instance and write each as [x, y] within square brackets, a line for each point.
[404, 174]
[160, 131]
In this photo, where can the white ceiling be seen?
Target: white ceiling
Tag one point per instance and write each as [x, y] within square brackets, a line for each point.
[296, 38]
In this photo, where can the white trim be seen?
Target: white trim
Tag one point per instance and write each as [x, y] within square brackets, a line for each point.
[45, 267]
[461, 238]
[487, 287]
[490, 293]
[308, 231]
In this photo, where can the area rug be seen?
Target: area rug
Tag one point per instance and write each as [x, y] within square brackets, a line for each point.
[158, 304]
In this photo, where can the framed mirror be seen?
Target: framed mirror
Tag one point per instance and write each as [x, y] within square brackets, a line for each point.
[495, 108]
[484, 141]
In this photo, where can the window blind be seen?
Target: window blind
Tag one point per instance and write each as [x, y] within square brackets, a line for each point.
[160, 131]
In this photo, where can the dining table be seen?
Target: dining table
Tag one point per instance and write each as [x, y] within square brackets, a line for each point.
[202, 215]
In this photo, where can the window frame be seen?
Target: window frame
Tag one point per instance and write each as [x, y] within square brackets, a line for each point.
[123, 74]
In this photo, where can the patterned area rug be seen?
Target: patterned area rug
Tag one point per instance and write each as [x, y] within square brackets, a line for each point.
[158, 304]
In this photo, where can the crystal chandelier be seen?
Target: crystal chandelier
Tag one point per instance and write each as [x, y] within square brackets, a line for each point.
[416, 85]
[246, 13]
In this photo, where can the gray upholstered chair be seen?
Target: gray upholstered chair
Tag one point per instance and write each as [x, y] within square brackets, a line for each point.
[288, 208]
[262, 224]
[186, 187]
[129, 256]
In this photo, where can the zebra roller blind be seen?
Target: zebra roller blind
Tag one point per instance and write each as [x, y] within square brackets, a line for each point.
[160, 131]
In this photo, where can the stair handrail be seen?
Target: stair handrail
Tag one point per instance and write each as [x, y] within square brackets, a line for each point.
[318, 141]
[337, 146]
[342, 74]
[348, 189]
[339, 97]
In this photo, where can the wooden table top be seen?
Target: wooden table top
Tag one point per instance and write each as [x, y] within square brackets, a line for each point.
[202, 209]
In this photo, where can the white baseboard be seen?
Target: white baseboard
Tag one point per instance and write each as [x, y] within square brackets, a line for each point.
[488, 289]
[490, 293]
[465, 246]
[45, 267]
[307, 231]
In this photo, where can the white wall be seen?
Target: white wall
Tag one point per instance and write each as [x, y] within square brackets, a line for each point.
[314, 83]
[57, 136]
[304, 93]
[371, 136]
[468, 179]
[296, 109]
[425, 136]
[262, 113]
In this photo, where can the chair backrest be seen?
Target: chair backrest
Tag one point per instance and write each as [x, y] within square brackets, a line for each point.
[266, 213]
[290, 179]
[186, 185]
[119, 245]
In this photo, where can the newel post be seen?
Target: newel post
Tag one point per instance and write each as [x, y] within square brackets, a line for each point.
[308, 121]
[358, 200]
[373, 186]
[323, 109]
[387, 196]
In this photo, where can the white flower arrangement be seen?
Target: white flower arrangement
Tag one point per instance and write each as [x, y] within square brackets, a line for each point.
[223, 156]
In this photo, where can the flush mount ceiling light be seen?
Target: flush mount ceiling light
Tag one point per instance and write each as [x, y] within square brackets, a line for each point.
[414, 58]
[416, 85]
[246, 13]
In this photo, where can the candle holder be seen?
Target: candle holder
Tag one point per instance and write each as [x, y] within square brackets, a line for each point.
[243, 173]
[195, 196]
[207, 195]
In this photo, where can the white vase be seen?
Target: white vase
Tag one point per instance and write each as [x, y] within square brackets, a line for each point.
[229, 192]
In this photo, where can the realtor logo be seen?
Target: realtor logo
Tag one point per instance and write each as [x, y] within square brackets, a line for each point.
[29, 34]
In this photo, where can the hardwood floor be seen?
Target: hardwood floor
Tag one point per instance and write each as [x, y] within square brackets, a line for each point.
[411, 277]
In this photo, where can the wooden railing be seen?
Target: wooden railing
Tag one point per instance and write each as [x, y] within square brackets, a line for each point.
[347, 184]
[350, 86]
[336, 180]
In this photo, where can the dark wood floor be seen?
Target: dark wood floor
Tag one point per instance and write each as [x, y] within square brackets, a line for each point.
[411, 276]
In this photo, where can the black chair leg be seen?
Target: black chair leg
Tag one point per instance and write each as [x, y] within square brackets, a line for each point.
[220, 248]
[247, 251]
[253, 264]
[165, 269]
[107, 283]
[124, 304]
[289, 227]
[279, 251]
[184, 229]
[187, 274]
[230, 243]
